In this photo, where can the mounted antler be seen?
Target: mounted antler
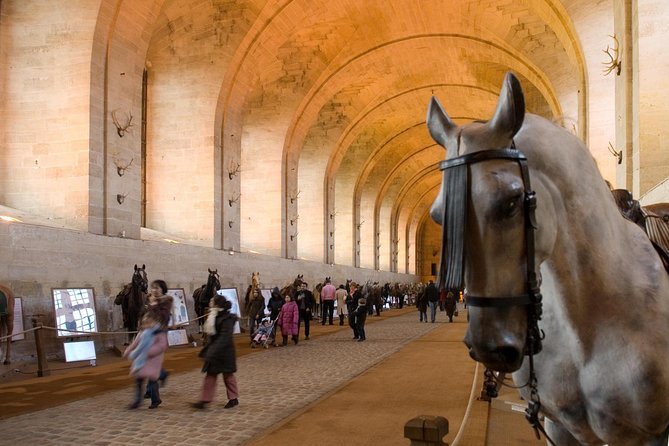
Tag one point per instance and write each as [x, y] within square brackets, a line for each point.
[120, 167]
[292, 237]
[122, 129]
[234, 168]
[295, 197]
[360, 224]
[614, 63]
[616, 153]
[333, 214]
[235, 198]
[293, 221]
[120, 198]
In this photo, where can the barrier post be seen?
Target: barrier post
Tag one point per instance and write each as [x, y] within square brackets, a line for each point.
[426, 430]
[42, 364]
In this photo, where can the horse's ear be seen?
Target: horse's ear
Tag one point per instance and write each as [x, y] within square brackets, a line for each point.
[437, 209]
[143, 266]
[136, 267]
[209, 270]
[510, 112]
[441, 128]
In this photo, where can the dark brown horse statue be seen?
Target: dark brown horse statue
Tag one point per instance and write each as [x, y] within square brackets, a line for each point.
[6, 319]
[132, 300]
[653, 219]
[293, 287]
[204, 294]
[561, 291]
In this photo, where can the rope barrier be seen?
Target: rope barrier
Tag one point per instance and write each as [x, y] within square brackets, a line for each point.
[92, 333]
[465, 419]
[19, 333]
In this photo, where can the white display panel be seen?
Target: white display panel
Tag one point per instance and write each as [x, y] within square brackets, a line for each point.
[79, 351]
[177, 337]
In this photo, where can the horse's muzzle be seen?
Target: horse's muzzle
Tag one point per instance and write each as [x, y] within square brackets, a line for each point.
[502, 358]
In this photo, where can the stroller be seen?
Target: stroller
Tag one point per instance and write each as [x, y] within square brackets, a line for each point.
[264, 334]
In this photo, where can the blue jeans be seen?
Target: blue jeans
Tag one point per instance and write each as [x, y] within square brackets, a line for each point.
[152, 387]
[162, 377]
[433, 310]
[422, 314]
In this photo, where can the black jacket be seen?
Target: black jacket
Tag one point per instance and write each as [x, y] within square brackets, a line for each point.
[308, 300]
[360, 314]
[432, 293]
[274, 305]
[219, 353]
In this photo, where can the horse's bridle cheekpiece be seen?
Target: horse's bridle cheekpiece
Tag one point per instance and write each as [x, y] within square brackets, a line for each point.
[451, 271]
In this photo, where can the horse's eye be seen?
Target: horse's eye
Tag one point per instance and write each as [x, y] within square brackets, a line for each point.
[510, 206]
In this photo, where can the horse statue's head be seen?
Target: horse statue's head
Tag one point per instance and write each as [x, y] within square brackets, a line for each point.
[487, 211]
[139, 279]
[213, 281]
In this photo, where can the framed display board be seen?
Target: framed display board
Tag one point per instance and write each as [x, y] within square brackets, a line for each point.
[267, 295]
[74, 309]
[231, 296]
[79, 351]
[179, 309]
[18, 320]
[177, 337]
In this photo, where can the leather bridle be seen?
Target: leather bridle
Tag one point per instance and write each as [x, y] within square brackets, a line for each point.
[455, 191]
[451, 273]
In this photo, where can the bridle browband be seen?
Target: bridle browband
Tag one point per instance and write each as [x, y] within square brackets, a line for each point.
[455, 190]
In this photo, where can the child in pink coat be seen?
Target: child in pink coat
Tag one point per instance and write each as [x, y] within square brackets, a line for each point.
[147, 352]
[288, 320]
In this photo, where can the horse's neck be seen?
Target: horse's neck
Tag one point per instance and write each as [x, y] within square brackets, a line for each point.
[603, 265]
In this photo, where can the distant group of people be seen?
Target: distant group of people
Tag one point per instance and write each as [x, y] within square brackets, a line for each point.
[287, 312]
[430, 297]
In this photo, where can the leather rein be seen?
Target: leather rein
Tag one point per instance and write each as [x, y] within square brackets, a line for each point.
[451, 273]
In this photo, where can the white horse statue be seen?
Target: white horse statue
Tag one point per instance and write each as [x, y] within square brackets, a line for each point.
[596, 362]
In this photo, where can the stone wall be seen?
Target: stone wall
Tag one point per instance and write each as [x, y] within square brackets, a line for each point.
[36, 259]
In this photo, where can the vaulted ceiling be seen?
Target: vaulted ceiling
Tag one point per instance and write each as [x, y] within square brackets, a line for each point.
[329, 98]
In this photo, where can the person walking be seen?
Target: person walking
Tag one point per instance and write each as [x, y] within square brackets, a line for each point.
[305, 303]
[318, 307]
[288, 320]
[352, 303]
[342, 309]
[147, 352]
[162, 305]
[255, 310]
[327, 301]
[450, 304]
[360, 316]
[432, 295]
[421, 304]
[219, 354]
[275, 303]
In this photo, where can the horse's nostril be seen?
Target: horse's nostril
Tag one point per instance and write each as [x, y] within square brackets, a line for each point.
[508, 355]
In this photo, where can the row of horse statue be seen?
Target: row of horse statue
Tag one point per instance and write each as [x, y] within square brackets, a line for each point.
[132, 298]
